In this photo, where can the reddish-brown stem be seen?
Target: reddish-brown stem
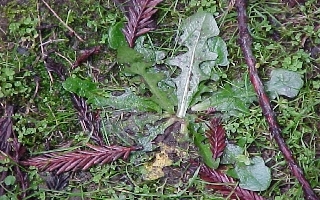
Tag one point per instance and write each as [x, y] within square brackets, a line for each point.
[246, 43]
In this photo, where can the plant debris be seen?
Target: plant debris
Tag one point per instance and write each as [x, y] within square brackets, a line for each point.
[245, 43]
[217, 137]
[228, 187]
[85, 54]
[79, 160]
[12, 149]
[139, 18]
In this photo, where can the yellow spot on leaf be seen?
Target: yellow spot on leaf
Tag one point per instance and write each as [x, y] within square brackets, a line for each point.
[154, 169]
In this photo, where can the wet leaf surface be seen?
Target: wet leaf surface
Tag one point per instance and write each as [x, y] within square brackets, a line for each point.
[255, 176]
[197, 29]
[284, 82]
[231, 100]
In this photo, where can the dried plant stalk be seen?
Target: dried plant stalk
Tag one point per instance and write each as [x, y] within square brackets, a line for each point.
[228, 186]
[6, 129]
[245, 41]
[57, 181]
[5, 147]
[79, 160]
[139, 16]
[13, 150]
[89, 120]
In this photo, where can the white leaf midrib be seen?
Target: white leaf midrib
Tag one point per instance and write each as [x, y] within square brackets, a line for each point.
[183, 108]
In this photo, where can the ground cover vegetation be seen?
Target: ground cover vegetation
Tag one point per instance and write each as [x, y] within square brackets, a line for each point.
[153, 99]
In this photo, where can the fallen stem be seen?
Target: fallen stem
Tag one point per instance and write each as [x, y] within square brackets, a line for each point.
[245, 43]
[66, 25]
[40, 35]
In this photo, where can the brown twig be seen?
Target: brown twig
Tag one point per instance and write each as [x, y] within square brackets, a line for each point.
[40, 35]
[245, 43]
[66, 25]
